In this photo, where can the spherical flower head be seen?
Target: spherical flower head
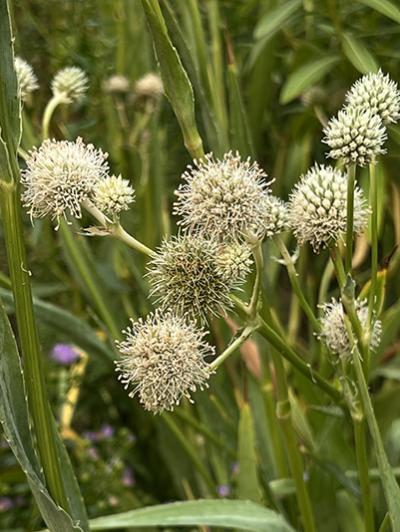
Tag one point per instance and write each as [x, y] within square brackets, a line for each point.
[234, 261]
[378, 93]
[116, 84]
[356, 136]
[275, 219]
[59, 176]
[228, 198]
[71, 84]
[149, 86]
[187, 275]
[27, 81]
[112, 195]
[333, 327]
[317, 208]
[163, 360]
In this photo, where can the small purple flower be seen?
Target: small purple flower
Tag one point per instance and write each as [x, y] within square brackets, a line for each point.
[64, 354]
[107, 431]
[224, 490]
[6, 503]
[128, 479]
[91, 435]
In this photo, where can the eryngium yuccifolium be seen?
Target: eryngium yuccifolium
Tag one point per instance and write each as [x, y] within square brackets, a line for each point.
[227, 198]
[188, 276]
[60, 175]
[27, 81]
[149, 86]
[333, 328]
[317, 208]
[112, 195]
[356, 136]
[163, 360]
[70, 83]
[116, 84]
[378, 93]
[234, 261]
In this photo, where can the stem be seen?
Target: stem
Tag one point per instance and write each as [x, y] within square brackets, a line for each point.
[259, 263]
[373, 198]
[351, 177]
[48, 113]
[363, 473]
[246, 333]
[32, 357]
[274, 430]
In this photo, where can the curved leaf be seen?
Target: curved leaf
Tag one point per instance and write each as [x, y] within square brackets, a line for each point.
[247, 485]
[276, 19]
[387, 8]
[358, 54]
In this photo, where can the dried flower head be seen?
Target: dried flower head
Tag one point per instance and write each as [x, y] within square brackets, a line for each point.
[149, 86]
[60, 175]
[228, 199]
[333, 328]
[378, 93]
[27, 81]
[317, 208]
[356, 136]
[188, 276]
[70, 83]
[234, 261]
[112, 195]
[116, 84]
[163, 359]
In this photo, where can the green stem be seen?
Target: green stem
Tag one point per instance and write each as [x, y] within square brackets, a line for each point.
[351, 177]
[48, 113]
[245, 335]
[33, 364]
[373, 198]
[259, 264]
[363, 472]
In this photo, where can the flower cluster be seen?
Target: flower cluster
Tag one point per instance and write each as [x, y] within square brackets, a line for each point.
[112, 195]
[27, 81]
[71, 84]
[149, 87]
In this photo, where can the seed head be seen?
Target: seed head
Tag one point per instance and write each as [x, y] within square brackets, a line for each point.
[163, 360]
[116, 84]
[227, 199]
[378, 93]
[188, 275]
[334, 332]
[317, 209]
[112, 195]
[71, 83]
[59, 175]
[27, 81]
[149, 86]
[356, 136]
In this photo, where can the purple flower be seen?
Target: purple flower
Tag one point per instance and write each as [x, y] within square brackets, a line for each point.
[64, 354]
[91, 435]
[107, 431]
[6, 503]
[128, 479]
[224, 490]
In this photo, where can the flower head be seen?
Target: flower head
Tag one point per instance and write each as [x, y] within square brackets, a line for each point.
[163, 360]
[333, 328]
[317, 208]
[112, 195]
[378, 93]
[27, 81]
[356, 136]
[64, 354]
[116, 84]
[60, 175]
[71, 83]
[190, 275]
[227, 198]
[149, 86]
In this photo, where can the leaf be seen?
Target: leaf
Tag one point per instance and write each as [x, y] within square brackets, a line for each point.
[358, 54]
[305, 76]
[247, 482]
[276, 19]
[15, 421]
[243, 515]
[387, 8]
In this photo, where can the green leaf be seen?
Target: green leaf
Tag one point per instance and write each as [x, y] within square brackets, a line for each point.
[387, 8]
[15, 420]
[243, 515]
[305, 76]
[247, 482]
[276, 19]
[358, 54]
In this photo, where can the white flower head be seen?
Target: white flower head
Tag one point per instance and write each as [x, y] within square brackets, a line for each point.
[228, 199]
[378, 93]
[59, 176]
[189, 274]
[70, 83]
[149, 86]
[356, 136]
[27, 81]
[112, 195]
[333, 327]
[317, 208]
[116, 84]
[163, 360]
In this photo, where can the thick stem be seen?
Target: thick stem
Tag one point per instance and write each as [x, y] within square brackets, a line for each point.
[351, 177]
[363, 473]
[48, 113]
[373, 199]
[259, 263]
[245, 335]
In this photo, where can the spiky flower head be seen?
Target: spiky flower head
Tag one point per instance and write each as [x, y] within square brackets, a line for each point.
[356, 136]
[163, 360]
[116, 84]
[317, 208]
[234, 261]
[112, 195]
[27, 81]
[149, 86]
[227, 198]
[377, 92]
[333, 327]
[71, 84]
[60, 175]
[188, 275]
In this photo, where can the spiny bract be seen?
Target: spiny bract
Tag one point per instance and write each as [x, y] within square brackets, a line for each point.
[112, 195]
[27, 81]
[163, 358]
[70, 83]
[317, 208]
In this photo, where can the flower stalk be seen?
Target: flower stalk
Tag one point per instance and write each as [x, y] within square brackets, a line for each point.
[351, 177]
[373, 199]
